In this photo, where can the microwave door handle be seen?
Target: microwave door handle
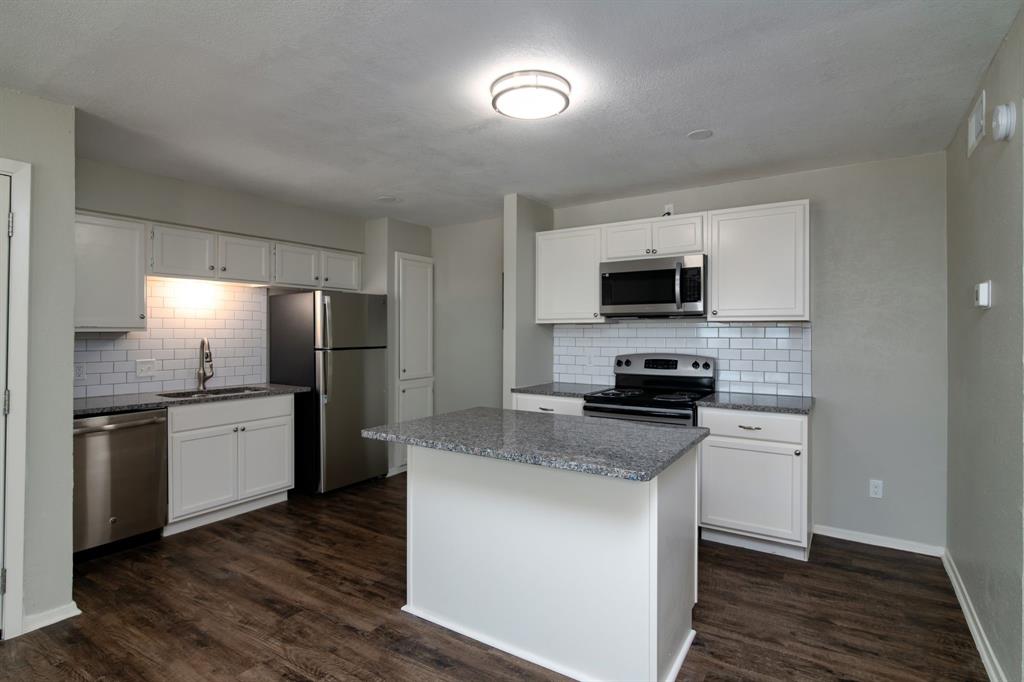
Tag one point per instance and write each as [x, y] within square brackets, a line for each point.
[679, 278]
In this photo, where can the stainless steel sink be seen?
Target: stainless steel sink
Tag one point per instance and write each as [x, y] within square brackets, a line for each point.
[231, 390]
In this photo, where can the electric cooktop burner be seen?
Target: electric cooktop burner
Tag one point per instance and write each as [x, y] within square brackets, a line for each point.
[621, 393]
[677, 397]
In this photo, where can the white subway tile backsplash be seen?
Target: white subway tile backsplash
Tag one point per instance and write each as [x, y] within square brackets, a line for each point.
[233, 317]
[753, 357]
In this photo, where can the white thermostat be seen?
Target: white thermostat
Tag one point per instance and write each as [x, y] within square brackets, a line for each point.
[1004, 121]
[983, 294]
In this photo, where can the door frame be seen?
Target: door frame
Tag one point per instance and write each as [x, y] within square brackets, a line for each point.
[15, 450]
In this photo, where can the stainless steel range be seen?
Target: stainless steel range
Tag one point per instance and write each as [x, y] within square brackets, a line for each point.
[655, 387]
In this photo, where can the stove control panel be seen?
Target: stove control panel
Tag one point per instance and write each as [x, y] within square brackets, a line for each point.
[665, 364]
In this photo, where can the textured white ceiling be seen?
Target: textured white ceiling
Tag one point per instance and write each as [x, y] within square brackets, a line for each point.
[332, 104]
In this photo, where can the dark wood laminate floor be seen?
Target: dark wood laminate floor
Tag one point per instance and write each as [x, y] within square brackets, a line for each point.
[311, 590]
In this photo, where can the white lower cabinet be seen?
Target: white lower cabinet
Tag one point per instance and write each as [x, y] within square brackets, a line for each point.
[754, 478]
[552, 404]
[415, 401]
[226, 456]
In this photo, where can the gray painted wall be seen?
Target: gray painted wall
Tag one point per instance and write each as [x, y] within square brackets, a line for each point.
[878, 307]
[526, 346]
[467, 315]
[986, 476]
[114, 189]
[42, 133]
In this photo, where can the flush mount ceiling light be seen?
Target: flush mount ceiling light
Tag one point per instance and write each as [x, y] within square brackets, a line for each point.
[387, 199]
[699, 134]
[530, 94]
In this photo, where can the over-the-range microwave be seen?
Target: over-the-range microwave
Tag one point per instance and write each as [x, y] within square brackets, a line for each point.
[654, 287]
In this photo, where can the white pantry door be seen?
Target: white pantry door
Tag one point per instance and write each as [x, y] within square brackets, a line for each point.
[415, 316]
[5, 260]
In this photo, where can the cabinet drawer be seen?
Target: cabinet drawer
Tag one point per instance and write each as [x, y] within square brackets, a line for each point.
[546, 403]
[205, 415]
[784, 428]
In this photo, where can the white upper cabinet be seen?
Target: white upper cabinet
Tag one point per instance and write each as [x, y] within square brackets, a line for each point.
[297, 265]
[759, 259]
[415, 316]
[110, 274]
[341, 270]
[678, 234]
[180, 252]
[667, 236]
[242, 259]
[567, 286]
[629, 240]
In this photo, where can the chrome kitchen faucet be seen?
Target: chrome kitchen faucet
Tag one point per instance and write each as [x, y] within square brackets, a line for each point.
[205, 371]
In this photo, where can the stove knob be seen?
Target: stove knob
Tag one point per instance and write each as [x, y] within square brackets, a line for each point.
[707, 365]
[628, 363]
[618, 363]
[695, 365]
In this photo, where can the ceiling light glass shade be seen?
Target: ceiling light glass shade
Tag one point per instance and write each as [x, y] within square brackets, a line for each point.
[530, 94]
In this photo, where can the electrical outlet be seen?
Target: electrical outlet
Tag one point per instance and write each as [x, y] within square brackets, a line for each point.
[79, 371]
[670, 209]
[876, 488]
[145, 367]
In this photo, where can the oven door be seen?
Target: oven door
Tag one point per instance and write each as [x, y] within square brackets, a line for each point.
[654, 287]
[682, 417]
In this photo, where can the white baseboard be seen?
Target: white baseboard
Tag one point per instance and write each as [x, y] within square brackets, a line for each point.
[34, 621]
[225, 513]
[988, 657]
[881, 541]
[757, 544]
[677, 664]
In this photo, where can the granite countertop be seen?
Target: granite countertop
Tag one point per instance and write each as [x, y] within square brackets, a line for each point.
[633, 451]
[562, 389]
[782, 404]
[133, 402]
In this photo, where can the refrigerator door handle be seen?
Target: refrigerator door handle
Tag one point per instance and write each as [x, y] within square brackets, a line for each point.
[328, 376]
[328, 336]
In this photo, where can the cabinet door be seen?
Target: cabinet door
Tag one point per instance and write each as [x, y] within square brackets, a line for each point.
[567, 283]
[203, 470]
[342, 270]
[180, 252]
[754, 487]
[264, 456]
[759, 262]
[244, 260]
[297, 265]
[415, 399]
[678, 234]
[632, 240]
[110, 274]
[415, 316]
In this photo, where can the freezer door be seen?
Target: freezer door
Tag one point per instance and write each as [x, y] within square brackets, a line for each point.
[351, 320]
[353, 396]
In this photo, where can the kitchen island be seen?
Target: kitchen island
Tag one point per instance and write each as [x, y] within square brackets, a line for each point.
[568, 541]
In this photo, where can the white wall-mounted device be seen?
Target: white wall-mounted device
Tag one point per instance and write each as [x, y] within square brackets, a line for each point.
[976, 124]
[983, 294]
[1004, 121]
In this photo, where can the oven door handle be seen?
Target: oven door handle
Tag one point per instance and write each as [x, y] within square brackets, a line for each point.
[679, 280]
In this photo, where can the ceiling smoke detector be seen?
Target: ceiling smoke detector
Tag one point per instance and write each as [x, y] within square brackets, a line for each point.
[700, 134]
[530, 94]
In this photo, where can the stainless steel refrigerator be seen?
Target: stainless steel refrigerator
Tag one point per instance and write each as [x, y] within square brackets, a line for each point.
[335, 343]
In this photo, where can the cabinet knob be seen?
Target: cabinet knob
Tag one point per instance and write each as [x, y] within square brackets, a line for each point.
[211, 267]
[648, 251]
[235, 429]
[714, 312]
[113, 520]
[595, 315]
[316, 277]
[243, 428]
[796, 452]
[403, 390]
[142, 316]
[654, 251]
[403, 371]
[327, 279]
[223, 268]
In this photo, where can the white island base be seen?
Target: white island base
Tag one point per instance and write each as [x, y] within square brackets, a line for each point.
[590, 576]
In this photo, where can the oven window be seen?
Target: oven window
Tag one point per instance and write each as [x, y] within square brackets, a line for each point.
[647, 287]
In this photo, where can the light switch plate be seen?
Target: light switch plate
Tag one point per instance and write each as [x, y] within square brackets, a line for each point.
[79, 371]
[983, 294]
[145, 367]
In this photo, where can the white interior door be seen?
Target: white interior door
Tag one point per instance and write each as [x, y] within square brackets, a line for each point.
[5, 210]
[415, 317]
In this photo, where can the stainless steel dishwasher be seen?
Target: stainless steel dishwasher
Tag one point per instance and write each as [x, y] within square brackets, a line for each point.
[120, 476]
